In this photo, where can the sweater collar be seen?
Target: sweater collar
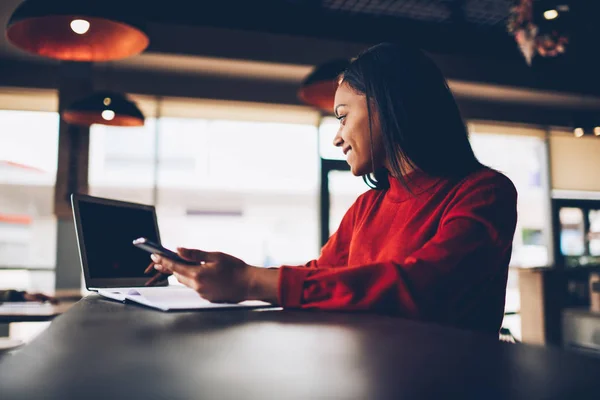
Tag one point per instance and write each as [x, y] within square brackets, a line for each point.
[417, 181]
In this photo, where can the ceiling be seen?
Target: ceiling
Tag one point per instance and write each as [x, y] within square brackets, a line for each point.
[480, 12]
[442, 26]
[468, 27]
[282, 39]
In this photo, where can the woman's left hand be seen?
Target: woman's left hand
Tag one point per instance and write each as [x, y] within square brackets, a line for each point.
[39, 297]
[217, 277]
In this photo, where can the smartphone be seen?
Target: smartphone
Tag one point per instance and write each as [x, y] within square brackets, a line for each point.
[155, 248]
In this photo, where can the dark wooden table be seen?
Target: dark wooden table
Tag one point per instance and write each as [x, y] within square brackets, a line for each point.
[106, 350]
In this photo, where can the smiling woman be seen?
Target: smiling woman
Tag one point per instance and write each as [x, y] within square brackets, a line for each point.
[431, 241]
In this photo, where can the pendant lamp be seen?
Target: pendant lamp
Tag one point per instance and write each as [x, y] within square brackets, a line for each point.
[105, 108]
[76, 30]
[318, 88]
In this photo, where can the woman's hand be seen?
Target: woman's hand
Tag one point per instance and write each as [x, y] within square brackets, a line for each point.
[39, 297]
[221, 278]
[157, 278]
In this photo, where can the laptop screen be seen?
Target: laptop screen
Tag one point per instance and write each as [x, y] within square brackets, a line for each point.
[108, 231]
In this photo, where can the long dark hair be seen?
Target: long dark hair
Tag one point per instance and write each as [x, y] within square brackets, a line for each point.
[419, 118]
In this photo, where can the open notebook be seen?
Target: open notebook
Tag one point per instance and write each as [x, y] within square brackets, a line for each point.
[171, 298]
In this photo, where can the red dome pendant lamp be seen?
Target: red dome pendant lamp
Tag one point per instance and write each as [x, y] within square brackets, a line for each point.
[76, 30]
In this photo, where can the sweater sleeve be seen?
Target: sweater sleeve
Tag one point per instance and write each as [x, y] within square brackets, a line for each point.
[476, 230]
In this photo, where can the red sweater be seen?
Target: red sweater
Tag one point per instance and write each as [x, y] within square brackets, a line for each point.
[439, 254]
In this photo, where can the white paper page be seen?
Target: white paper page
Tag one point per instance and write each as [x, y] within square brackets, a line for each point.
[180, 298]
[112, 294]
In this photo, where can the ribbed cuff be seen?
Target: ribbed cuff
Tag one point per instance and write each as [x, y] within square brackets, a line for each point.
[291, 285]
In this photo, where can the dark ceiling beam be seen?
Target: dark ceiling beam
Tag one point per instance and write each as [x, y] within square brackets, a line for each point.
[199, 86]
[18, 74]
[46, 76]
[472, 109]
[245, 45]
[28, 75]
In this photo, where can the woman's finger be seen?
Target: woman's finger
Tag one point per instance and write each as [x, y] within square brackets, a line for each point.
[170, 266]
[149, 268]
[159, 276]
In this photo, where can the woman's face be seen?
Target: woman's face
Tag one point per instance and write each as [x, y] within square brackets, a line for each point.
[353, 135]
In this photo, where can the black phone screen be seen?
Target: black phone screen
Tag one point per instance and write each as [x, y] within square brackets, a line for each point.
[152, 247]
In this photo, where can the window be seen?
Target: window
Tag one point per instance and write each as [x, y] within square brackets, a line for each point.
[521, 159]
[28, 160]
[251, 189]
[572, 240]
[594, 233]
[121, 162]
[327, 131]
[245, 187]
[344, 189]
[577, 239]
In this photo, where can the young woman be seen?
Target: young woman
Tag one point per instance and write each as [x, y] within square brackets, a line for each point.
[431, 241]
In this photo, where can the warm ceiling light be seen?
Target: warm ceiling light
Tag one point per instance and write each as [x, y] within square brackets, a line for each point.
[80, 26]
[597, 131]
[578, 132]
[318, 88]
[93, 110]
[75, 30]
[550, 14]
[108, 115]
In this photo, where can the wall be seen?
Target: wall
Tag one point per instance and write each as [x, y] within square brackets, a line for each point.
[575, 162]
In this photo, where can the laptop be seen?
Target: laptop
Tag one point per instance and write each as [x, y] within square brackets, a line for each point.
[114, 268]
[105, 231]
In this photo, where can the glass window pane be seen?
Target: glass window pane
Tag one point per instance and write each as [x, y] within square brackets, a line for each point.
[521, 159]
[571, 231]
[327, 131]
[183, 155]
[594, 234]
[28, 160]
[121, 162]
[250, 189]
[344, 189]
[263, 156]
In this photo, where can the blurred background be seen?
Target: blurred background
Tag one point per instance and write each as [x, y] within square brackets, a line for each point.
[233, 140]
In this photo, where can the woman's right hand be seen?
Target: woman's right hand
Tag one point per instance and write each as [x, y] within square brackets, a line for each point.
[158, 276]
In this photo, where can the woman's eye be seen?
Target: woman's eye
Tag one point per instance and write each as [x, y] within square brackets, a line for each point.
[341, 118]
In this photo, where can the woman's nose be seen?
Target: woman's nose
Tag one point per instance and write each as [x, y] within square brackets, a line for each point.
[337, 140]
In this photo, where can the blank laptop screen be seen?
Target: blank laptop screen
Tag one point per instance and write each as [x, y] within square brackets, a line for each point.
[108, 231]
